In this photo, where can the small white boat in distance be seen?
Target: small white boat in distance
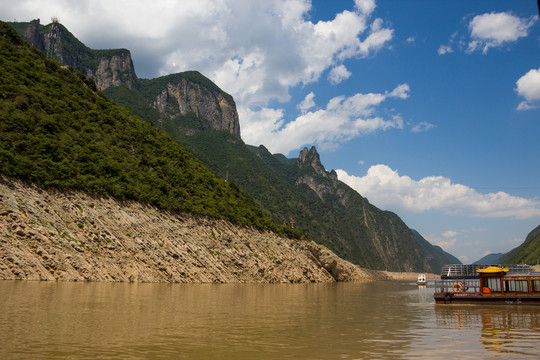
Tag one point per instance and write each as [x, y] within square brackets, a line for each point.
[422, 279]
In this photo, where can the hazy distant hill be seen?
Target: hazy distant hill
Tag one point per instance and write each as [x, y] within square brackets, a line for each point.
[490, 259]
[203, 118]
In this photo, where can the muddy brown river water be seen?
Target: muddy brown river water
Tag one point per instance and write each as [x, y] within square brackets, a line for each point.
[381, 320]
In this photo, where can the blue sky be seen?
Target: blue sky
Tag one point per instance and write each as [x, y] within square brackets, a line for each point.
[430, 109]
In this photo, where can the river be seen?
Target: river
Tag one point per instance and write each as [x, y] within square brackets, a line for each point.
[380, 320]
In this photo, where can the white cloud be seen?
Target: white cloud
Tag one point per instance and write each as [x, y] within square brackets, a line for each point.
[528, 86]
[401, 91]
[422, 127]
[446, 241]
[387, 189]
[496, 29]
[449, 234]
[307, 103]
[365, 6]
[338, 74]
[343, 119]
[444, 49]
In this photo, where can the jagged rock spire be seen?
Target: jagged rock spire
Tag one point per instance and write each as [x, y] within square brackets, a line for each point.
[311, 158]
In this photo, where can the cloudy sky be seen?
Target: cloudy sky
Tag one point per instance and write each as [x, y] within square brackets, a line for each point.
[430, 109]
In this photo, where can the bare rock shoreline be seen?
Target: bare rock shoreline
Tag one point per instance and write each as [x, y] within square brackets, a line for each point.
[66, 235]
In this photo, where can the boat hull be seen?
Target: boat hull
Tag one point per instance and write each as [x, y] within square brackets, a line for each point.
[491, 299]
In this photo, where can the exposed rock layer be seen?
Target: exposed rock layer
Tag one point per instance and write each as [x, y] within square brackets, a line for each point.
[48, 234]
[105, 67]
[187, 97]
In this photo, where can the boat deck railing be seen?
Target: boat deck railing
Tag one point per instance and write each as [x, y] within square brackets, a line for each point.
[470, 271]
[458, 285]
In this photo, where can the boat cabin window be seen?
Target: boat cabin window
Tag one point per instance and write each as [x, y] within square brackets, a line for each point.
[535, 285]
[516, 286]
[493, 283]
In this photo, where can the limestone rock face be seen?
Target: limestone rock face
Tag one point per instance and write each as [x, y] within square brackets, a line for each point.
[113, 70]
[105, 67]
[208, 105]
[33, 36]
[316, 177]
[48, 234]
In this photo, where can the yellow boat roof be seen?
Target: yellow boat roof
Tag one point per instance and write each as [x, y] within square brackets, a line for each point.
[492, 269]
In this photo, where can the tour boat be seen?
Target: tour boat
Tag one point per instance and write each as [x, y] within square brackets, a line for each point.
[422, 279]
[488, 284]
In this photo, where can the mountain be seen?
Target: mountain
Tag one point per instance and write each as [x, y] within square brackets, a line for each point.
[435, 255]
[332, 213]
[203, 119]
[105, 67]
[489, 259]
[57, 129]
[526, 253]
[88, 191]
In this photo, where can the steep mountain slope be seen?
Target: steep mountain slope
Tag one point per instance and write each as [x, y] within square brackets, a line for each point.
[526, 253]
[190, 108]
[55, 129]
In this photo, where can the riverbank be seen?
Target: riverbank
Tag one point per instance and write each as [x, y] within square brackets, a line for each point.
[66, 235]
[409, 275]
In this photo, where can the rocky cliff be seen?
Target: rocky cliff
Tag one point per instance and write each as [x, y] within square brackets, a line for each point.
[105, 67]
[191, 94]
[187, 94]
[49, 234]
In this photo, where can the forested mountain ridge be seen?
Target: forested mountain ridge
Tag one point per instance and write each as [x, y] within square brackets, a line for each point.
[301, 189]
[56, 129]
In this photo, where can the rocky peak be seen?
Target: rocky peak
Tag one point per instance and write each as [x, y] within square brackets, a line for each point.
[311, 158]
[190, 93]
[314, 175]
[32, 35]
[105, 67]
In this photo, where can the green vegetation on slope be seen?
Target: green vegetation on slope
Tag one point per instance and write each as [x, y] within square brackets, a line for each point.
[55, 129]
[526, 253]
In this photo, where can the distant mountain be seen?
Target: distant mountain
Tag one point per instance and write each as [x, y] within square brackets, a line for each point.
[202, 118]
[434, 254]
[489, 259]
[526, 253]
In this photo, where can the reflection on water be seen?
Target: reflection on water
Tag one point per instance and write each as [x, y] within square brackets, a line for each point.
[512, 330]
[382, 320]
